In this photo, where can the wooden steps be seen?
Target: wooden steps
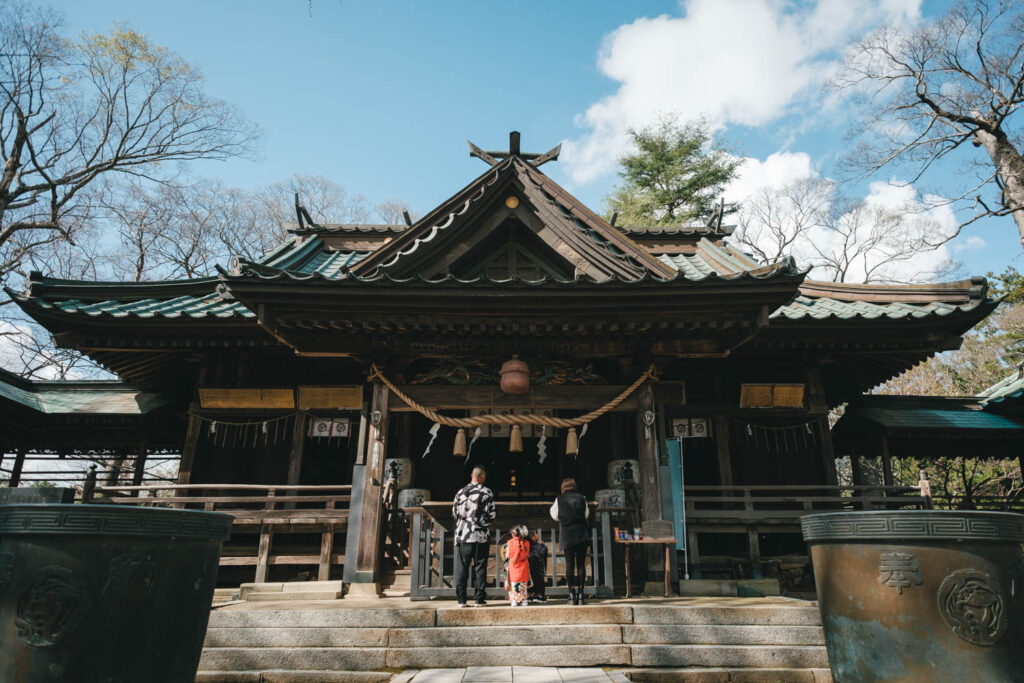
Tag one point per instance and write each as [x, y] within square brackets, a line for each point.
[694, 639]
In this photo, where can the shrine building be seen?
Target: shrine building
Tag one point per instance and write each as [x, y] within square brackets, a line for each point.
[645, 362]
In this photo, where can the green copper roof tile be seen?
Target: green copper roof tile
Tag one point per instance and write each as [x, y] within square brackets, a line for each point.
[929, 418]
[210, 305]
[21, 396]
[1011, 386]
[61, 396]
[822, 307]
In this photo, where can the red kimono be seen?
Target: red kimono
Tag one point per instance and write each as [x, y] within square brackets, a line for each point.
[517, 550]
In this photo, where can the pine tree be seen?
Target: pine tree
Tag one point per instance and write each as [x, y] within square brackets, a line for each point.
[675, 177]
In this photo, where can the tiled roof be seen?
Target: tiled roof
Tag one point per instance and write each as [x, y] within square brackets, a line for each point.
[596, 247]
[676, 230]
[1011, 386]
[930, 418]
[840, 301]
[822, 308]
[345, 228]
[96, 397]
[186, 306]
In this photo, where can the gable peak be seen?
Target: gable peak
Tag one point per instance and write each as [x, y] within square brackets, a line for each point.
[514, 150]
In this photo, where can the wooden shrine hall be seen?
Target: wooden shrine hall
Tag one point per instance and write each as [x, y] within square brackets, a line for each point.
[304, 374]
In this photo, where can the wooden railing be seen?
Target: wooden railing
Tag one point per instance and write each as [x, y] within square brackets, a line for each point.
[257, 508]
[787, 503]
[1007, 503]
[432, 549]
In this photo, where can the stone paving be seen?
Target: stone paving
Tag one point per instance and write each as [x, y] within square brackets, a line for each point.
[510, 674]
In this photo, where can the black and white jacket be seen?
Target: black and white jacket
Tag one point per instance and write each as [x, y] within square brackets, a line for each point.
[473, 510]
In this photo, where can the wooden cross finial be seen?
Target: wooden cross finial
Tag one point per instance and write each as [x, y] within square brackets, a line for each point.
[494, 158]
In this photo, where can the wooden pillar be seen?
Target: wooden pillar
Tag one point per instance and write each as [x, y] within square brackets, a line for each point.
[828, 452]
[855, 469]
[188, 449]
[295, 454]
[19, 463]
[114, 475]
[886, 463]
[368, 558]
[140, 465]
[721, 425]
[648, 452]
[649, 485]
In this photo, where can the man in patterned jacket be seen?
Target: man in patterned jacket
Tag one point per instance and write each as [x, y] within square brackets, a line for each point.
[473, 510]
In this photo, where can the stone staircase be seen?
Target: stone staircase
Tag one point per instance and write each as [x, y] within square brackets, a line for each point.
[723, 639]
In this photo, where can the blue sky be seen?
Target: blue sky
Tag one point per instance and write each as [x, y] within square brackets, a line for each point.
[381, 96]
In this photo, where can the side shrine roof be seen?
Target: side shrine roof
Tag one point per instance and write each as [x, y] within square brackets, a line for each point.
[99, 397]
[1010, 387]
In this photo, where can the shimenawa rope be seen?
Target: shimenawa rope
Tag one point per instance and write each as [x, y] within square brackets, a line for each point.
[480, 420]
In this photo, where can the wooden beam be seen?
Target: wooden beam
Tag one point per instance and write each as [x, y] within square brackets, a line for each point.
[648, 452]
[140, 464]
[565, 397]
[886, 462]
[114, 475]
[368, 557]
[295, 453]
[188, 450]
[828, 452]
[19, 463]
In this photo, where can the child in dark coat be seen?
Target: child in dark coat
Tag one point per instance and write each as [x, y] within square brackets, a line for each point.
[538, 566]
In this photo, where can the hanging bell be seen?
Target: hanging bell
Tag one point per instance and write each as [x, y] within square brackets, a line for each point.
[515, 440]
[571, 442]
[459, 451]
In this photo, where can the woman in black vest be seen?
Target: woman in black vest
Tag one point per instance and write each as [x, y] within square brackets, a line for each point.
[571, 512]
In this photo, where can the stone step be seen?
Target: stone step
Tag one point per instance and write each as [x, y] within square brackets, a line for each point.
[338, 616]
[720, 675]
[293, 659]
[281, 676]
[281, 596]
[541, 655]
[500, 614]
[722, 635]
[291, 586]
[760, 656]
[297, 637]
[514, 636]
[519, 636]
[760, 615]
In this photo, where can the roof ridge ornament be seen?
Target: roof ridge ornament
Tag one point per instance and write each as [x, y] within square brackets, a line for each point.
[514, 150]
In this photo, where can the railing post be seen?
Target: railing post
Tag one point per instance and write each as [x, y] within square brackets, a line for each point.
[89, 487]
[926, 489]
[415, 558]
[606, 551]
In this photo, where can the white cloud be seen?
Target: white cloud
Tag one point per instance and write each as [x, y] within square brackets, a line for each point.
[731, 61]
[776, 171]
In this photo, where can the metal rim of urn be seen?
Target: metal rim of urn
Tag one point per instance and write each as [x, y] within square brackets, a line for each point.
[937, 525]
[112, 520]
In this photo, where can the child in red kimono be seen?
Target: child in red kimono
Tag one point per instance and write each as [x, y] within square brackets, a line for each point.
[517, 553]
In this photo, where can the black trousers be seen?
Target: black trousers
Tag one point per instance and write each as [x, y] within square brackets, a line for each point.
[539, 579]
[475, 554]
[576, 564]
